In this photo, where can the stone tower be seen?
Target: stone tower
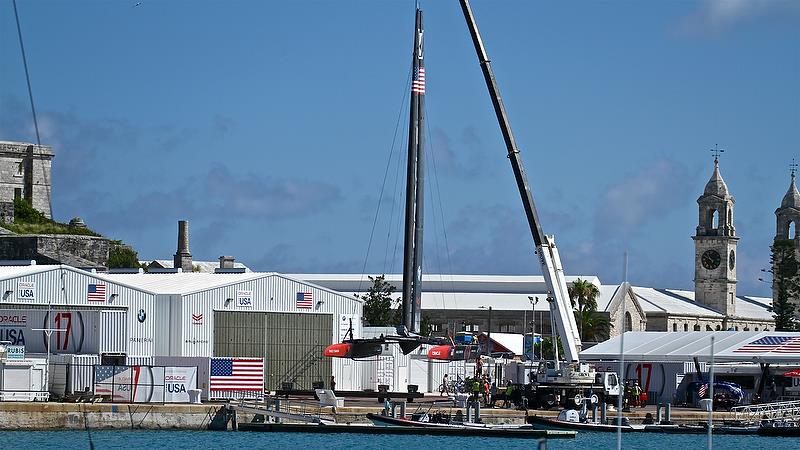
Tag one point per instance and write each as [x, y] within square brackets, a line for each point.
[25, 172]
[788, 219]
[715, 247]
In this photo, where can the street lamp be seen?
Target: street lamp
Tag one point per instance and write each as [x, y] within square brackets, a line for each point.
[534, 301]
[488, 331]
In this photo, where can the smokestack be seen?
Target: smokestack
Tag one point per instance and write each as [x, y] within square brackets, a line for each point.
[183, 259]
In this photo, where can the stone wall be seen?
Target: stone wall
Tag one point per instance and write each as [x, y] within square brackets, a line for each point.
[40, 247]
[7, 212]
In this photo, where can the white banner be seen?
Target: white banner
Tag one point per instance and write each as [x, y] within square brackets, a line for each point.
[26, 291]
[72, 331]
[145, 384]
[244, 299]
[177, 382]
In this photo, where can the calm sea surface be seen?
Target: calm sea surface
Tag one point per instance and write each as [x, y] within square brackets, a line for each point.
[240, 440]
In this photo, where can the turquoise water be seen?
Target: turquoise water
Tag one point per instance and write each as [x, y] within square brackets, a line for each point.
[241, 440]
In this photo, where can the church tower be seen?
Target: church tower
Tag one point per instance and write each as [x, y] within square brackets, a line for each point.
[788, 219]
[715, 247]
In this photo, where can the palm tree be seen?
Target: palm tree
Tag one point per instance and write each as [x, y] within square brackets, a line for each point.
[583, 296]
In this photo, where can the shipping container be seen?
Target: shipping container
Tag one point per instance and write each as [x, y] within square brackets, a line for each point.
[23, 381]
[71, 374]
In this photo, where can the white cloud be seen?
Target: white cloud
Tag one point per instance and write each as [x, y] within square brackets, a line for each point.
[717, 16]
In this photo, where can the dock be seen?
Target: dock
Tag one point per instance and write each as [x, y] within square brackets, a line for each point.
[370, 429]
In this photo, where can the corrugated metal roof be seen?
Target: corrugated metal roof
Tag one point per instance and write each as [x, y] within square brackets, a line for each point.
[181, 283]
[672, 301]
[684, 346]
[523, 284]
[7, 272]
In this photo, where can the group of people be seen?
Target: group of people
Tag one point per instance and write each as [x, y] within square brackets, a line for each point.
[633, 395]
[483, 389]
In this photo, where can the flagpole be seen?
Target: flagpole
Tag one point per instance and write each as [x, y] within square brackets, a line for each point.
[621, 374]
[711, 395]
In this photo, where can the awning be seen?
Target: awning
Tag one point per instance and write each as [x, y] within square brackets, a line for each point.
[729, 346]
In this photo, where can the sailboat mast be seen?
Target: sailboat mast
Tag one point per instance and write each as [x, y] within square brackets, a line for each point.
[412, 252]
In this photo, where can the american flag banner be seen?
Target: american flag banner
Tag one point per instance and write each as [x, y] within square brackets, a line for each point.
[96, 293]
[777, 344]
[117, 381]
[236, 375]
[305, 300]
[418, 81]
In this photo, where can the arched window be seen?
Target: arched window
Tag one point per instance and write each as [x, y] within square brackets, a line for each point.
[730, 217]
[756, 328]
[628, 322]
[708, 328]
[715, 220]
[686, 327]
[792, 233]
[697, 327]
[746, 328]
[718, 328]
[736, 328]
[674, 326]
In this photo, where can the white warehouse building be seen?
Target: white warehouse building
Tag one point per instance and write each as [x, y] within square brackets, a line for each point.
[286, 321]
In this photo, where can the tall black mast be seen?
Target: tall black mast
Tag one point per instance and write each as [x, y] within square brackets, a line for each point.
[412, 252]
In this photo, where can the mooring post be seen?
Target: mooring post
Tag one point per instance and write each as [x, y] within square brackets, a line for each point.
[277, 409]
[402, 410]
[603, 407]
[659, 409]
[477, 411]
[669, 412]
[469, 411]
[232, 412]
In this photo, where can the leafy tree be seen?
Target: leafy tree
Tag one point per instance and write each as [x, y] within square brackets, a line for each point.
[122, 256]
[583, 296]
[785, 284]
[544, 349]
[378, 303]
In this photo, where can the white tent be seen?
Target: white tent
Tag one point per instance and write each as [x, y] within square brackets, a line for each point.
[731, 346]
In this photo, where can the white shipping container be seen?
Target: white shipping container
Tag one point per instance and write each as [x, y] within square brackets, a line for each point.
[113, 331]
[23, 381]
[72, 374]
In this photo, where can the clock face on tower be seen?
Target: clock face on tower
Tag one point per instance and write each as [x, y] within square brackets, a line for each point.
[732, 260]
[710, 259]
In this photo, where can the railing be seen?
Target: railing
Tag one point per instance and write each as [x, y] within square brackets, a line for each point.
[280, 409]
[767, 411]
[302, 365]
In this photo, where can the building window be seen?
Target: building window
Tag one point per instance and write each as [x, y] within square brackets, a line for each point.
[718, 328]
[708, 328]
[471, 327]
[746, 328]
[628, 322]
[674, 326]
[508, 328]
[697, 327]
[20, 169]
[756, 328]
[436, 327]
[686, 327]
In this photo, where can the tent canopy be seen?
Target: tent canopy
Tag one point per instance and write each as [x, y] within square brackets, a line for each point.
[729, 346]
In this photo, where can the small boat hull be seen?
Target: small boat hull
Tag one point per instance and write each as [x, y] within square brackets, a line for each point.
[549, 423]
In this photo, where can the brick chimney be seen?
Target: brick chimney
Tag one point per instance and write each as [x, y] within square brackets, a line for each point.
[226, 262]
[182, 258]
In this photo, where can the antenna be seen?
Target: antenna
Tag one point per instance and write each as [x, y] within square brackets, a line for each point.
[716, 151]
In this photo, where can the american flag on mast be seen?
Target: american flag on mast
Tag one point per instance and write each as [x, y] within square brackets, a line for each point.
[418, 81]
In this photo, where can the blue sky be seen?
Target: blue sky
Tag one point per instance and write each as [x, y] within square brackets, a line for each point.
[269, 126]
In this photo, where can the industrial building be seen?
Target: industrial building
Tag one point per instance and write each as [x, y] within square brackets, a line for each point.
[286, 321]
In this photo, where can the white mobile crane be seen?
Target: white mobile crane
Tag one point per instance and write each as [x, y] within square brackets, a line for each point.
[555, 380]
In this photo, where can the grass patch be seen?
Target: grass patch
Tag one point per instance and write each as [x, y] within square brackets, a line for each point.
[47, 228]
[28, 220]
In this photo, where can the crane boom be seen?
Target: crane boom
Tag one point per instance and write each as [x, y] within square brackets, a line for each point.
[545, 245]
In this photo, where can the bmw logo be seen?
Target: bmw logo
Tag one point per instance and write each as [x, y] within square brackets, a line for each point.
[141, 316]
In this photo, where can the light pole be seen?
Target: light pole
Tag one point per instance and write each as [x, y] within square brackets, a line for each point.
[534, 301]
[488, 332]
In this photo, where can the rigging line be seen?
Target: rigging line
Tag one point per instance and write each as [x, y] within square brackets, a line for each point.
[444, 228]
[383, 184]
[396, 205]
[38, 142]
